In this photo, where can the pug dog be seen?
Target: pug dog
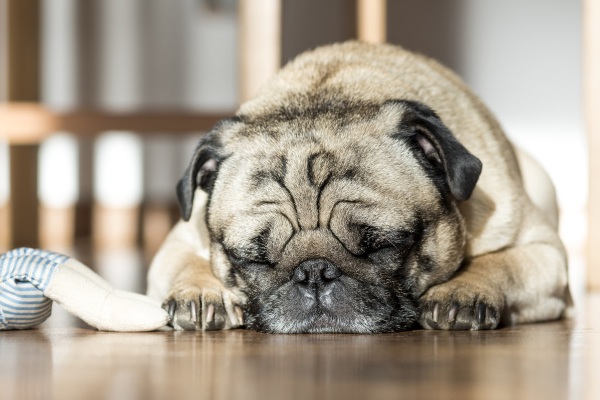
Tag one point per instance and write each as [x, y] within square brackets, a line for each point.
[364, 190]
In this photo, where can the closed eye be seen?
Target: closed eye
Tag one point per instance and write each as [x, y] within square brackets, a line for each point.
[267, 203]
[376, 240]
[238, 260]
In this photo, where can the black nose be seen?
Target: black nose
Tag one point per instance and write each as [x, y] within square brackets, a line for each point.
[316, 271]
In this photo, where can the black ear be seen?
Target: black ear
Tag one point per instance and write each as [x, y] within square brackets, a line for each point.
[462, 169]
[203, 169]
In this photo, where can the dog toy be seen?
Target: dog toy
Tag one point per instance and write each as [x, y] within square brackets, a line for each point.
[31, 279]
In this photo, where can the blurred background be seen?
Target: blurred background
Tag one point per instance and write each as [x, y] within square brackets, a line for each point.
[126, 88]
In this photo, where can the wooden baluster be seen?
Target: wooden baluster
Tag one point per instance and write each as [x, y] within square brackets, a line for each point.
[591, 53]
[23, 85]
[4, 150]
[117, 160]
[259, 44]
[371, 20]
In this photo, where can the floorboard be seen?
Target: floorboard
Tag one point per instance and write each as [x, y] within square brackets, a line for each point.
[65, 359]
[555, 360]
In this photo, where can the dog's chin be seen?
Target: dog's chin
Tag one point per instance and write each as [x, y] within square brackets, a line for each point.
[282, 314]
[324, 322]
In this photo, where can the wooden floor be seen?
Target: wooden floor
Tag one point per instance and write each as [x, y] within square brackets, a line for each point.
[557, 360]
[64, 359]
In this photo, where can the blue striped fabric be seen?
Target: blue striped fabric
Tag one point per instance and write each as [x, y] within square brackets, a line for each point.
[24, 274]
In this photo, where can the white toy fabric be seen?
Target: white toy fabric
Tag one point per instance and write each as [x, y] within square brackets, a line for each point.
[30, 279]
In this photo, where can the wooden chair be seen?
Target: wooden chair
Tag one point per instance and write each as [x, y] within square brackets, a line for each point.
[24, 122]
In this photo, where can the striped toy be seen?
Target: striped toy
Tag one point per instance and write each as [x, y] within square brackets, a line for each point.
[24, 274]
[31, 279]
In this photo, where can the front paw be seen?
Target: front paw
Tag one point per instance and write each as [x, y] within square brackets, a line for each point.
[457, 305]
[191, 307]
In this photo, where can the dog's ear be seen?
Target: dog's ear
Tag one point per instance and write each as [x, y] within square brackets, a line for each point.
[203, 169]
[461, 168]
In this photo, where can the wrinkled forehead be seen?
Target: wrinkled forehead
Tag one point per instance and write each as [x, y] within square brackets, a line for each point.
[316, 147]
[315, 160]
[332, 126]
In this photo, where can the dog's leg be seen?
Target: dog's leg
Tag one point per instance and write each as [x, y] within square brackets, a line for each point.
[182, 279]
[521, 284]
[198, 300]
[188, 288]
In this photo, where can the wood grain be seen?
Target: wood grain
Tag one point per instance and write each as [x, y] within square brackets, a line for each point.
[66, 359]
[556, 360]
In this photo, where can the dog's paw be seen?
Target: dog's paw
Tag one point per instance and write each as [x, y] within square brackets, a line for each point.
[191, 307]
[457, 305]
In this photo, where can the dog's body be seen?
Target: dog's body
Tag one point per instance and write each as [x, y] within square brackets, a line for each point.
[343, 199]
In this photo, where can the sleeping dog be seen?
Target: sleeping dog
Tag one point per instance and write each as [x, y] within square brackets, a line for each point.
[365, 189]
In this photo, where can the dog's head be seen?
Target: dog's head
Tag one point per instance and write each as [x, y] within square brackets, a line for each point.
[333, 217]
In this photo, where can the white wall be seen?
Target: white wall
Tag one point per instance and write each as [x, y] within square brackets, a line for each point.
[524, 59]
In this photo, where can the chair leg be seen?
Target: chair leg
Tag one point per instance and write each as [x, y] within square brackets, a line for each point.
[23, 196]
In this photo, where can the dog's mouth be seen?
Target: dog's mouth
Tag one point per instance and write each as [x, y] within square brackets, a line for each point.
[323, 321]
[343, 306]
[323, 296]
